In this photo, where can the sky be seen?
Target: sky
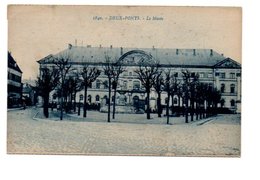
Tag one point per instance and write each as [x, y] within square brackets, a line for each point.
[37, 31]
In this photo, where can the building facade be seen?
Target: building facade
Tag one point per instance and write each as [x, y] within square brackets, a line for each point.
[14, 88]
[29, 94]
[213, 68]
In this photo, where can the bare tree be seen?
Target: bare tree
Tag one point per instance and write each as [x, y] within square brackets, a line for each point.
[213, 98]
[174, 86]
[200, 98]
[63, 66]
[117, 69]
[158, 86]
[68, 92]
[147, 75]
[45, 83]
[193, 86]
[186, 81]
[168, 89]
[189, 85]
[108, 71]
[77, 86]
[89, 75]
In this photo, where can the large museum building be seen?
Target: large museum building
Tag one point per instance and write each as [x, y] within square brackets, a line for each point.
[213, 68]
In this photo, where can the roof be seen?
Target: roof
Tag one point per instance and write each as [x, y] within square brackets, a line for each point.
[166, 56]
[12, 63]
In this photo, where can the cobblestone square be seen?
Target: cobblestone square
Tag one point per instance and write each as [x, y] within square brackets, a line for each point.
[217, 136]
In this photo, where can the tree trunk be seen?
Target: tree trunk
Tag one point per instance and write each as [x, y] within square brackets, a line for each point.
[200, 110]
[204, 110]
[197, 110]
[70, 105]
[109, 99]
[79, 109]
[61, 106]
[182, 108]
[45, 105]
[167, 108]
[208, 110]
[114, 104]
[159, 106]
[74, 100]
[85, 101]
[179, 105]
[172, 109]
[148, 105]
[186, 110]
[192, 109]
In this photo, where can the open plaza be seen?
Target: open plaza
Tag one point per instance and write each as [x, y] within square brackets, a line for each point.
[128, 134]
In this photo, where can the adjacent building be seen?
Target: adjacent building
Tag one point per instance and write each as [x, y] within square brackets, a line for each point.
[29, 93]
[221, 72]
[14, 83]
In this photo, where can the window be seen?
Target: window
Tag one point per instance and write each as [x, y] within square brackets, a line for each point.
[222, 89]
[105, 98]
[222, 102]
[166, 100]
[202, 75]
[136, 85]
[232, 103]
[90, 86]
[125, 73]
[210, 86]
[223, 75]
[14, 77]
[175, 100]
[210, 75]
[130, 73]
[216, 74]
[98, 84]
[105, 84]
[97, 98]
[54, 96]
[232, 75]
[125, 85]
[175, 74]
[232, 88]
[81, 97]
[238, 74]
[89, 98]
[113, 98]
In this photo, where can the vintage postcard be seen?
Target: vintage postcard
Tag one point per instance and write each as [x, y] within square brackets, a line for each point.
[124, 80]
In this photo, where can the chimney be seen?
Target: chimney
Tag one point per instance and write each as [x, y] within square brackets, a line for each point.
[121, 51]
[111, 46]
[100, 46]
[69, 46]
[177, 51]
[88, 46]
[194, 52]
[153, 47]
[75, 42]
[211, 52]
[222, 54]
